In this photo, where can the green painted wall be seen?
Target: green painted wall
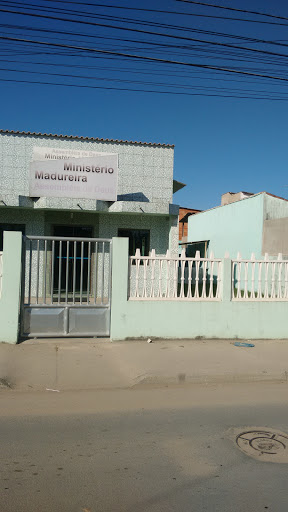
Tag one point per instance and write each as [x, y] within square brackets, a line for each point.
[154, 318]
[11, 280]
[234, 227]
[178, 320]
[190, 319]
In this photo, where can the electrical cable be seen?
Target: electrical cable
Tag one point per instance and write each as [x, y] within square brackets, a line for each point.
[142, 57]
[265, 52]
[159, 33]
[179, 86]
[233, 9]
[145, 90]
[185, 73]
[80, 4]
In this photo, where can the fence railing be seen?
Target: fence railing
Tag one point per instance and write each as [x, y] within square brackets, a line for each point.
[1, 272]
[260, 280]
[174, 277]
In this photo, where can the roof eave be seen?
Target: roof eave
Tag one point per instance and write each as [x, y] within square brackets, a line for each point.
[76, 137]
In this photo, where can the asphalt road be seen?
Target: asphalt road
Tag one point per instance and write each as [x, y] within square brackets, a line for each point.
[140, 450]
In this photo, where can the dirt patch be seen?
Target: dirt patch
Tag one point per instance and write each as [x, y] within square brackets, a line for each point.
[5, 384]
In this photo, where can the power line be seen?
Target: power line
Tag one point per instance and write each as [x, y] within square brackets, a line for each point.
[150, 43]
[234, 9]
[149, 23]
[266, 52]
[158, 45]
[146, 90]
[237, 56]
[238, 51]
[137, 41]
[185, 47]
[185, 73]
[142, 57]
[164, 12]
[162, 25]
[141, 82]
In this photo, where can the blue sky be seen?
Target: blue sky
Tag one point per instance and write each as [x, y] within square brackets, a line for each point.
[221, 144]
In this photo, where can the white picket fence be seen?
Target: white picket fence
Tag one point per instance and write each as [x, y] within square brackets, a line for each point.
[167, 277]
[1, 271]
[260, 280]
[174, 277]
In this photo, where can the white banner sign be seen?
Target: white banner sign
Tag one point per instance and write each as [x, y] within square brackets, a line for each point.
[73, 173]
[46, 153]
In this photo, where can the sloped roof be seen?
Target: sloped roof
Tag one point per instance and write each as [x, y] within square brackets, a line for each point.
[241, 200]
[272, 195]
[186, 217]
[77, 137]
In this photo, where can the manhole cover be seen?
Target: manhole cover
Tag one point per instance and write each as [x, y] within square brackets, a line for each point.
[264, 444]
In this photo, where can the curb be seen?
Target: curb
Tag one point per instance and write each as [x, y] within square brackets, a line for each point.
[156, 381]
[183, 379]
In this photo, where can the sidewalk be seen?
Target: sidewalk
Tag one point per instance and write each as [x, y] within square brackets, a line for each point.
[80, 364]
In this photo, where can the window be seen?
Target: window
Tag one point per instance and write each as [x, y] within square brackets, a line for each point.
[81, 267]
[10, 227]
[73, 231]
[138, 239]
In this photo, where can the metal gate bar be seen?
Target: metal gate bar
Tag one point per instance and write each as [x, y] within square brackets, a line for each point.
[66, 279]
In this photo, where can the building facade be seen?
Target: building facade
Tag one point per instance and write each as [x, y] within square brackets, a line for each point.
[256, 224]
[232, 197]
[184, 214]
[143, 210]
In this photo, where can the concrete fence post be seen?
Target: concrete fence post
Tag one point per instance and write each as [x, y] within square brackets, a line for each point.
[227, 280]
[120, 262]
[11, 285]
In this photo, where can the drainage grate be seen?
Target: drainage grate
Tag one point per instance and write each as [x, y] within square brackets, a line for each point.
[264, 444]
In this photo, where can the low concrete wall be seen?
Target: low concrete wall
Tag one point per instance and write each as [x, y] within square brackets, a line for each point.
[209, 320]
[154, 318]
[11, 280]
[186, 319]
